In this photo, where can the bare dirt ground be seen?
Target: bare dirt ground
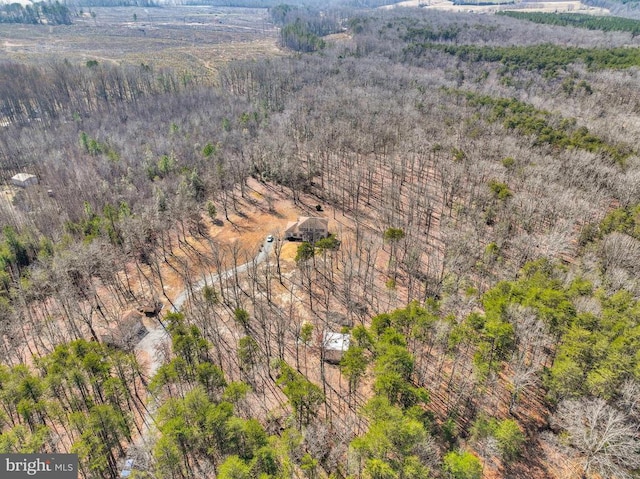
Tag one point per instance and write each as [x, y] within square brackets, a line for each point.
[264, 210]
[245, 231]
[195, 39]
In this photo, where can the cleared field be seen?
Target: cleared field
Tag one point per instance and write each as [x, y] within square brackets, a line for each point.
[197, 39]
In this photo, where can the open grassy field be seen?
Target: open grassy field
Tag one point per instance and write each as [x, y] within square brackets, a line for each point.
[195, 39]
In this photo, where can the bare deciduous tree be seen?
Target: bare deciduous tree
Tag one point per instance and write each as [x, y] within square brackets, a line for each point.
[605, 442]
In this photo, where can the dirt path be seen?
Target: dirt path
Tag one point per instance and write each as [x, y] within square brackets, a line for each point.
[155, 343]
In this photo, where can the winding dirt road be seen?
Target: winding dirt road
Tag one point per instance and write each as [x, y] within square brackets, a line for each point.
[153, 344]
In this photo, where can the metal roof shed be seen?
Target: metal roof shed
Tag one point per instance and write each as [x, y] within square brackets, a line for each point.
[23, 180]
[334, 344]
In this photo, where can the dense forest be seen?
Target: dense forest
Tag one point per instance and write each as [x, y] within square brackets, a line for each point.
[480, 175]
[314, 4]
[50, 13]
[579, 20]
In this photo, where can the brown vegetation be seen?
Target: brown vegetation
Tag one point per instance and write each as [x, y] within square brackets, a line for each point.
[487, 242]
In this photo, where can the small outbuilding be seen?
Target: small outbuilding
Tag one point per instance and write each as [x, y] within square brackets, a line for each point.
[151, 309]
[24, 180]
[127, 332]
[334, 345]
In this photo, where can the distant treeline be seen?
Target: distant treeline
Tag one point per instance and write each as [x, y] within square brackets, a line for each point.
[482, 3]
[546, 57]
[28, 92]
[528, 120]
[579, 20]
[112, 3]
[240, 3]
[428, 34]
[618, 8]
[625, 2]
[50, 13]
[300, 3]
[302, 29]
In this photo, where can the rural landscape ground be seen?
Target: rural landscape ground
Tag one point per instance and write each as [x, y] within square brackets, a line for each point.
[477, 168]
[196, 40]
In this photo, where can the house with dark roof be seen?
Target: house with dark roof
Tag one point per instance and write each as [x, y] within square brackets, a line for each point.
[307, 228]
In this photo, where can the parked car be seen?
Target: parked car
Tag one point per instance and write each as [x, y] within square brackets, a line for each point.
[270, 239]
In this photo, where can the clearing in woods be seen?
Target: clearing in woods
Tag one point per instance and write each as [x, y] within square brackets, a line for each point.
[196, 39]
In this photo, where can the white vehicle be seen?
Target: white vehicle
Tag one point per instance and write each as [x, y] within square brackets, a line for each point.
[270, 239]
